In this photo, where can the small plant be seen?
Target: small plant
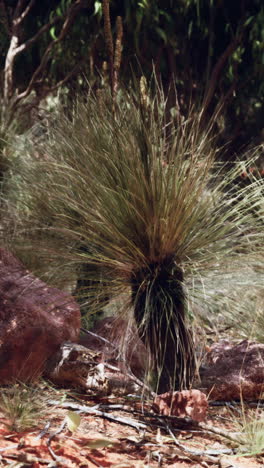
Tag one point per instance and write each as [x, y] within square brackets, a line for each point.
[253, 432]
[22, 406]
[251, 427]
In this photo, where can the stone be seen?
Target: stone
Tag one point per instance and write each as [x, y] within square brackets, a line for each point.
[35, 320]
[77, 366]
[119, 341]
[183, 404]
[234, 371]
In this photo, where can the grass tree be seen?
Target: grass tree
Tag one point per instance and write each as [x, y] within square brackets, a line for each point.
[139, 205]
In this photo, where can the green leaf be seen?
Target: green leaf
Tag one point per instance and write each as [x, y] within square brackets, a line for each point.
[52, 33]
[162, 34]
[249, 20]
[97, 8]
[100, 443]
[59, 11]
[143, 4]
[73, 421]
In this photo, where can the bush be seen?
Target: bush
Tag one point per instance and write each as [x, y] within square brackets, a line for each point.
[137, 208]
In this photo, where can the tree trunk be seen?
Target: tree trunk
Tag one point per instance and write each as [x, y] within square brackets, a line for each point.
[9, 69]
[159, 308]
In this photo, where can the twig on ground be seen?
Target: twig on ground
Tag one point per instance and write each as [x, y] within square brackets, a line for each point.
[227, 435]
[92, 460]
[58, 459]
[96, 412]
[183, 423]
[188, 423]
[44, 431]
[55, 457]
[16, 446]
[210, 455]
[27, 458]
[62, 426]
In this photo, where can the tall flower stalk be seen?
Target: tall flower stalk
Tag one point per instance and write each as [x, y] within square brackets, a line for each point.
[138, 205]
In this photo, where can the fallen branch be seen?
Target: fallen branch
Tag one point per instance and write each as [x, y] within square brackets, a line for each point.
[62, 426]
[102, 414]
[183, 423]
[55, 457]
[92, 460]
[44, 431]
[16, 446]
[58, 459]
[27, 458]
[210, 455]
[233, 438]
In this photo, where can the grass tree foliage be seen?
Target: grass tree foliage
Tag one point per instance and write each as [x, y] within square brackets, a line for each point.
[138, 205]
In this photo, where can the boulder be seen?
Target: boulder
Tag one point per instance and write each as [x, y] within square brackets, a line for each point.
[234, 371]
[185, 404]
[35, 320]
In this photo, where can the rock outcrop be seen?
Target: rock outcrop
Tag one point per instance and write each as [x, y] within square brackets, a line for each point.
[234, 371]
[35, 320]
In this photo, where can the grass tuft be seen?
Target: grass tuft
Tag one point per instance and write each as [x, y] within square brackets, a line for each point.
[251, 428]
[22, 406]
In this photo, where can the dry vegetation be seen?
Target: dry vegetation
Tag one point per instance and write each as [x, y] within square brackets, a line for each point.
[63, 430]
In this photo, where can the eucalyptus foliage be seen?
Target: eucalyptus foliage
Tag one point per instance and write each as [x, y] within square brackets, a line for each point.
[138, 205]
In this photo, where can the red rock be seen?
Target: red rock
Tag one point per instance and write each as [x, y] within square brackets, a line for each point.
[35, 320]
[187, 403]
[234, 370]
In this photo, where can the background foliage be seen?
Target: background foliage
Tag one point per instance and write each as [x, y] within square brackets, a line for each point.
[213, 51]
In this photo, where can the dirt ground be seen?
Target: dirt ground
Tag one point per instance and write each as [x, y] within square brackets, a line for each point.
[99, 442]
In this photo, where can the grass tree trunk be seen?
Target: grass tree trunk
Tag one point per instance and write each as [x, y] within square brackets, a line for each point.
[159, 308]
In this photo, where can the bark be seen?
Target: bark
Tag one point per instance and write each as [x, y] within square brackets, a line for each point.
[159, 309]
[12, 100]
[9, 69]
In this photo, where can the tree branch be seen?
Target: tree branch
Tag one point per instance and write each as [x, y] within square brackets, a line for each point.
[51, 89]
[19, 11]
[13, 50]
[24, 13]
[33, 39]
[217, 70]
[70, 15]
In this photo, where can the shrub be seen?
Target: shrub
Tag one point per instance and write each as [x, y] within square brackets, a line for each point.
[136, 203]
